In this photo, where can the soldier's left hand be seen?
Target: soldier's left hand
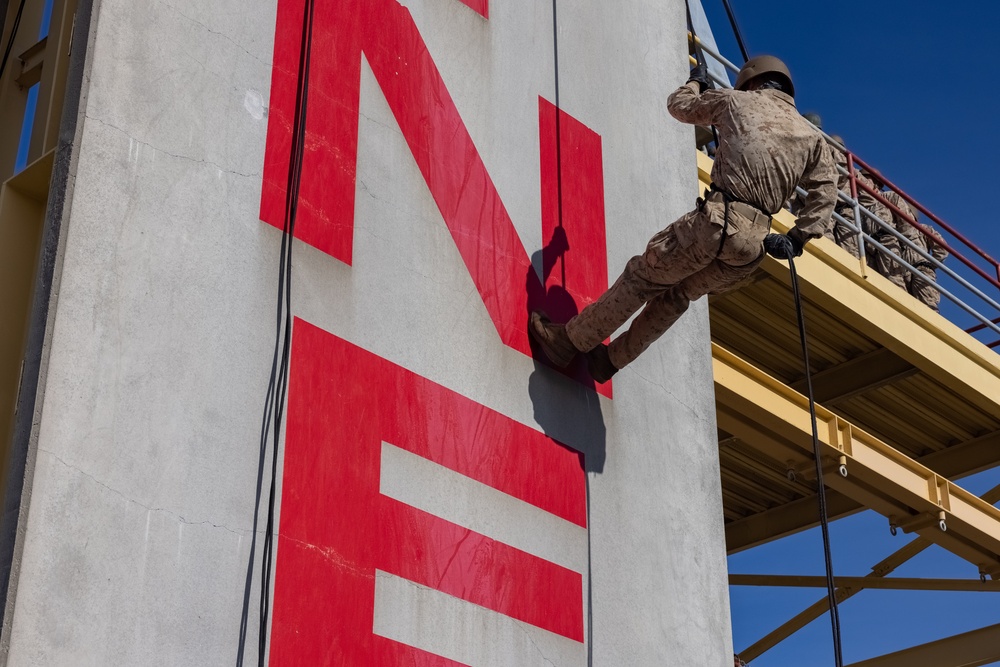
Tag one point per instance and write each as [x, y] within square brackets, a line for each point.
[699, 73]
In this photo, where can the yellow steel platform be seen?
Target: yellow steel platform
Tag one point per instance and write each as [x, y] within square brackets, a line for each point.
[908, 401]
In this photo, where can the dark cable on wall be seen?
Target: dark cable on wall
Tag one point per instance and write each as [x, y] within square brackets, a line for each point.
[274, 402]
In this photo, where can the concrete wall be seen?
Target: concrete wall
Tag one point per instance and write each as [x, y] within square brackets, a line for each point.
[139, 523]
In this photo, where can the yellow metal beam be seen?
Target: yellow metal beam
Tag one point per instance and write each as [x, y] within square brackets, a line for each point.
[44, 63]
[861, 374]
[836, 282]
[881, 583]
[967, 458]
[774, 418]
[22, 217]
[972, 649]
[783, 520]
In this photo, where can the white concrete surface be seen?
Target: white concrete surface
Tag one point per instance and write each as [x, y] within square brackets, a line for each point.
[140, 516]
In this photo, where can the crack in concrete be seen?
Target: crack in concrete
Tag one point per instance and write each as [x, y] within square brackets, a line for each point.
[186, 158]
[392, 127]
[534, 645]
[180, 518]
[216, 32]
[695, 413]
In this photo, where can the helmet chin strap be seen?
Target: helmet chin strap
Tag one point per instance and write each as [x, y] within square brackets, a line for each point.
[771, 84]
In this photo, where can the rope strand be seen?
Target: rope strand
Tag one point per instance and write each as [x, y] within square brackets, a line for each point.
[274, 402]
[831, 586]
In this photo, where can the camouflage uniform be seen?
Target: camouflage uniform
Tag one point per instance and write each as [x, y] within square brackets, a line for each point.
[892, 270]
[765, 150]
[876, 258]
[915, 285]
[840, 233]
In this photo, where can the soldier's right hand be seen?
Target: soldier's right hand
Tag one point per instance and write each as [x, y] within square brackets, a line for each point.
[782, 246]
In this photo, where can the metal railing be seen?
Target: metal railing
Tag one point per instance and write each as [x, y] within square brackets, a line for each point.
[868, 227]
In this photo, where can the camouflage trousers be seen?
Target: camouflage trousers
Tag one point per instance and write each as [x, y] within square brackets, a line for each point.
[681, 264]
[843, 235]
[887, 266]
[916, 284]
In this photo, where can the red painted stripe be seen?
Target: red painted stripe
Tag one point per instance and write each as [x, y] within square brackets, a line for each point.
[573, 225]
[424, 418]
[472, 567]
[323, 612]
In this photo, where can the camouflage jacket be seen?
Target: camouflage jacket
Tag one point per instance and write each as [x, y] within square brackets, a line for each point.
[766, 149]
[902, 225]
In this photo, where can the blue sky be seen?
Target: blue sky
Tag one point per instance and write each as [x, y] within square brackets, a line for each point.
[910, 87]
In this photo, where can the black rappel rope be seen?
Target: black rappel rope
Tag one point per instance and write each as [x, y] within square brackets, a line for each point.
[274, 402]
[824, 520]
[736, 31]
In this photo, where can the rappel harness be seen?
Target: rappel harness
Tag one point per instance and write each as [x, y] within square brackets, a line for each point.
[728, 201]
[831, 587]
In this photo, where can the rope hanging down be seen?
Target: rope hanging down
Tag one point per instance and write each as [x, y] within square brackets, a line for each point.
[824, 520]
[274, 402]
[736, 31]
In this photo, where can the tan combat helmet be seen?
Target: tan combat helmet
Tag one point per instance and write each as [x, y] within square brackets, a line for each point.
[759, 65]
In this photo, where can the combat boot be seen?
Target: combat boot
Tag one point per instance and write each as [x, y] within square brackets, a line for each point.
[599, 364]
[552, 338]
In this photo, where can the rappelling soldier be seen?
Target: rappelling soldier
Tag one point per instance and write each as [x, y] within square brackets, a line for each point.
[765, 150]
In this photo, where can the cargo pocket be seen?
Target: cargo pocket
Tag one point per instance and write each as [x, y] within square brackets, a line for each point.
[703, 235]
[744, 237]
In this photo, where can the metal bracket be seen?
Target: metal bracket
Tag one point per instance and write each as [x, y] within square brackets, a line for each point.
[32, 60]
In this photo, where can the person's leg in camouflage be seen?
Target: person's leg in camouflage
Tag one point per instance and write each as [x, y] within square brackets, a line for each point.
[691, 254]
[682, 262]
[886, 265]
[920, 287]
[846, 238]
[662, 312]
[665, 263]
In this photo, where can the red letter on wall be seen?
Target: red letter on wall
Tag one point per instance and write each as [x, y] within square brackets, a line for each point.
[337, 529]
[572, 176]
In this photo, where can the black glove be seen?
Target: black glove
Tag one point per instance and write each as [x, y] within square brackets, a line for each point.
[699, 73]
[782, 246]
